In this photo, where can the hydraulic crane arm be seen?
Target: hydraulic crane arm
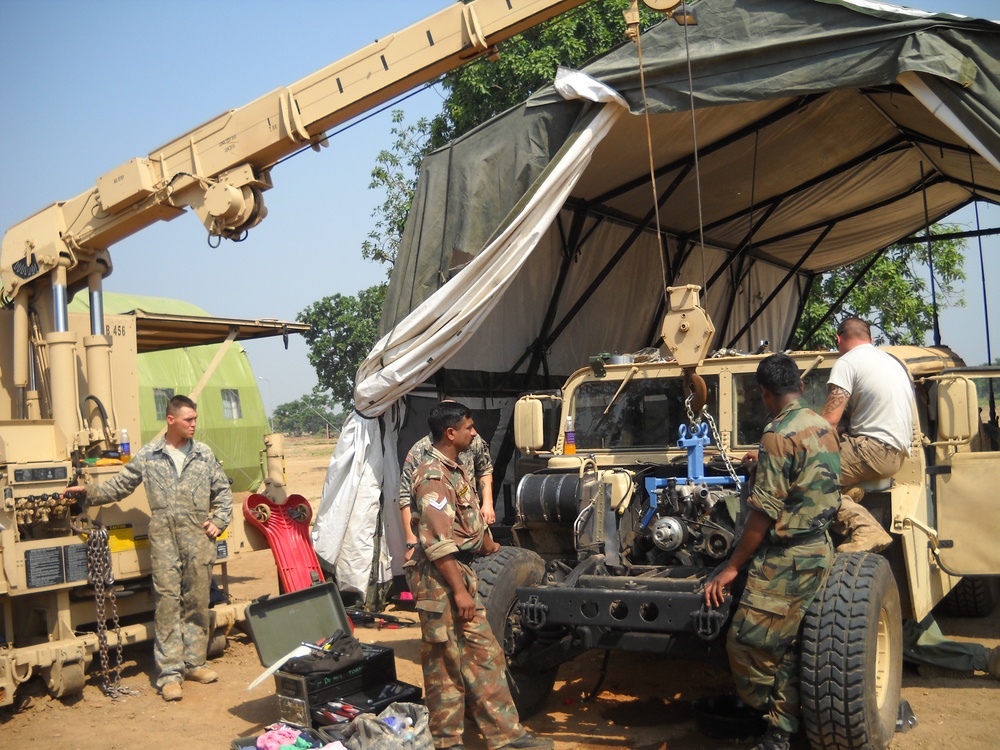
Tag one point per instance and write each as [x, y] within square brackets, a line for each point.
[221, 168]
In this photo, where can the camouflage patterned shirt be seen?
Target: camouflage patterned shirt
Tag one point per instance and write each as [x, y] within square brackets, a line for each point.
[446, 515]
[798, 470]
[202, 486]
[476, 462]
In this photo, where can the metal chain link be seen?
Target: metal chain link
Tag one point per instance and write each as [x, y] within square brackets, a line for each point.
[706, 415]
[102, 578]
[722, 449]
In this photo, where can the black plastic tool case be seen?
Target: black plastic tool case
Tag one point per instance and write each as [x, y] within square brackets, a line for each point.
[279, 624]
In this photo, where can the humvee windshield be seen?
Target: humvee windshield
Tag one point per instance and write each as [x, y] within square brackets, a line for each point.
[645, 415]
[751, 414]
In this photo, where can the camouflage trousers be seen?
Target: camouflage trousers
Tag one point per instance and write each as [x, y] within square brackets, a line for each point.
[463, 668]
[763, 639]
[182, 558]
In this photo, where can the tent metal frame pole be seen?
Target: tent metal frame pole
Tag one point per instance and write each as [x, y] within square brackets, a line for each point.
[571, 247]
[742, 248]
[688, 161]
[781, 285]
[735, 279]
[626, 245]
[800, 309]
[967, 235]
[840, 300]
[908, 193]
[884, 149]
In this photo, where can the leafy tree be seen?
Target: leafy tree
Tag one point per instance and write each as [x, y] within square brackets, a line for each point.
[311, 414]
[484, 88]
[892, 296]
[344, 329]
[395, 173]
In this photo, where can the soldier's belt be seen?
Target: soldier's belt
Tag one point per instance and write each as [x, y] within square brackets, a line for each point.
[813, 536]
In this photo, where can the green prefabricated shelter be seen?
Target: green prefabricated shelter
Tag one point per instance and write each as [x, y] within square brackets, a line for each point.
[231, 415]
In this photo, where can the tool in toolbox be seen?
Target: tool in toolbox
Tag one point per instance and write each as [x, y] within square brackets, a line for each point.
[296, 652]
[364, 617]
[286, 528]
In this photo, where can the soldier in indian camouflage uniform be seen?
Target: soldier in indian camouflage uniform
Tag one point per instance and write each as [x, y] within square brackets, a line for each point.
[477, 465]
[462, 662]
[794, 497]
[191, 504]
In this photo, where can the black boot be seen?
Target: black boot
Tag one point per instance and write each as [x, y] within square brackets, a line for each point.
[774, 739]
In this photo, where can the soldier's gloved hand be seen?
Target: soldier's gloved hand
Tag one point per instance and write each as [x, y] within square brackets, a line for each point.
[76, 492]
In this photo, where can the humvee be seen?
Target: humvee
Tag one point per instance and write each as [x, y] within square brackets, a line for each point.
[619, 525]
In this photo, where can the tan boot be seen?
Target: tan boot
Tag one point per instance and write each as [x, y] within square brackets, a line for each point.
[855, 493]
[862, 532]
[172, 691]
[201, 674]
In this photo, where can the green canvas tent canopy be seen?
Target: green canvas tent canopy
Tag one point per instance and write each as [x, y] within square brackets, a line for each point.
[177, 344]
[826, 131]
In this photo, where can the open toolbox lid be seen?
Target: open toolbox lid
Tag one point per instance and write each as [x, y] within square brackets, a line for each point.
[278, 624]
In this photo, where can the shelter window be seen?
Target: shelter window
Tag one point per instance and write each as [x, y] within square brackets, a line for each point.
[231, 408]
[645, 415]
[161, 397]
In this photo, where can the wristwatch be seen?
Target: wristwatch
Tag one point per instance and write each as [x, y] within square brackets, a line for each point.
[411, 545]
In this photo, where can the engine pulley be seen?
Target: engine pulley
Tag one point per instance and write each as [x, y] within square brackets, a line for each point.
[669, 533]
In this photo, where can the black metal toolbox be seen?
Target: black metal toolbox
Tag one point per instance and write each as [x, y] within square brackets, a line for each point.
[279, 624]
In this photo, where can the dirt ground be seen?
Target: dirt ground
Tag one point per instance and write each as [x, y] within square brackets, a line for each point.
[645, 703]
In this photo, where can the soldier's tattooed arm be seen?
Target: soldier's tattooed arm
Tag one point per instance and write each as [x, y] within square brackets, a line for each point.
[836, 402]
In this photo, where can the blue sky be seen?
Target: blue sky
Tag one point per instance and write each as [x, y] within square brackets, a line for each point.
[86, 85]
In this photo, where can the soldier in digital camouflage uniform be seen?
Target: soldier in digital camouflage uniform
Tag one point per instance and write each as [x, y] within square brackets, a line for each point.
[794, 497]
[463, 665]
[191, 504]
[477, 465]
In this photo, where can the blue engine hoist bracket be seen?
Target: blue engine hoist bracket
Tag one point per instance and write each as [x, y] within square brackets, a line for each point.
[695, 441]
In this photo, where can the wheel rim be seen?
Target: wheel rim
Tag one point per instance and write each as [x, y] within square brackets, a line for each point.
[883, 657]
[512, 630]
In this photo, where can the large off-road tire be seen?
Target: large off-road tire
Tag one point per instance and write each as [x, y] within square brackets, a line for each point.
[974, 596]
[500, 574]
[852, 657]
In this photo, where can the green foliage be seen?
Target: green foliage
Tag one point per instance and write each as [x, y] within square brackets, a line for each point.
[893, 296]
[483, 89]
[396, 174]
[311, 414]
[344, 330]
[480, 90]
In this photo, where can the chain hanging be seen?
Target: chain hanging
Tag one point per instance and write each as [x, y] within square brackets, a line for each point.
[102, 578]
[706, 416]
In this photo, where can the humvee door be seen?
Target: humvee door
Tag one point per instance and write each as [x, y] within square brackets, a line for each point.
[968, 487]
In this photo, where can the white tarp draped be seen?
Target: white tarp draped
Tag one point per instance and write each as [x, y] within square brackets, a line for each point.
[364, 462]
